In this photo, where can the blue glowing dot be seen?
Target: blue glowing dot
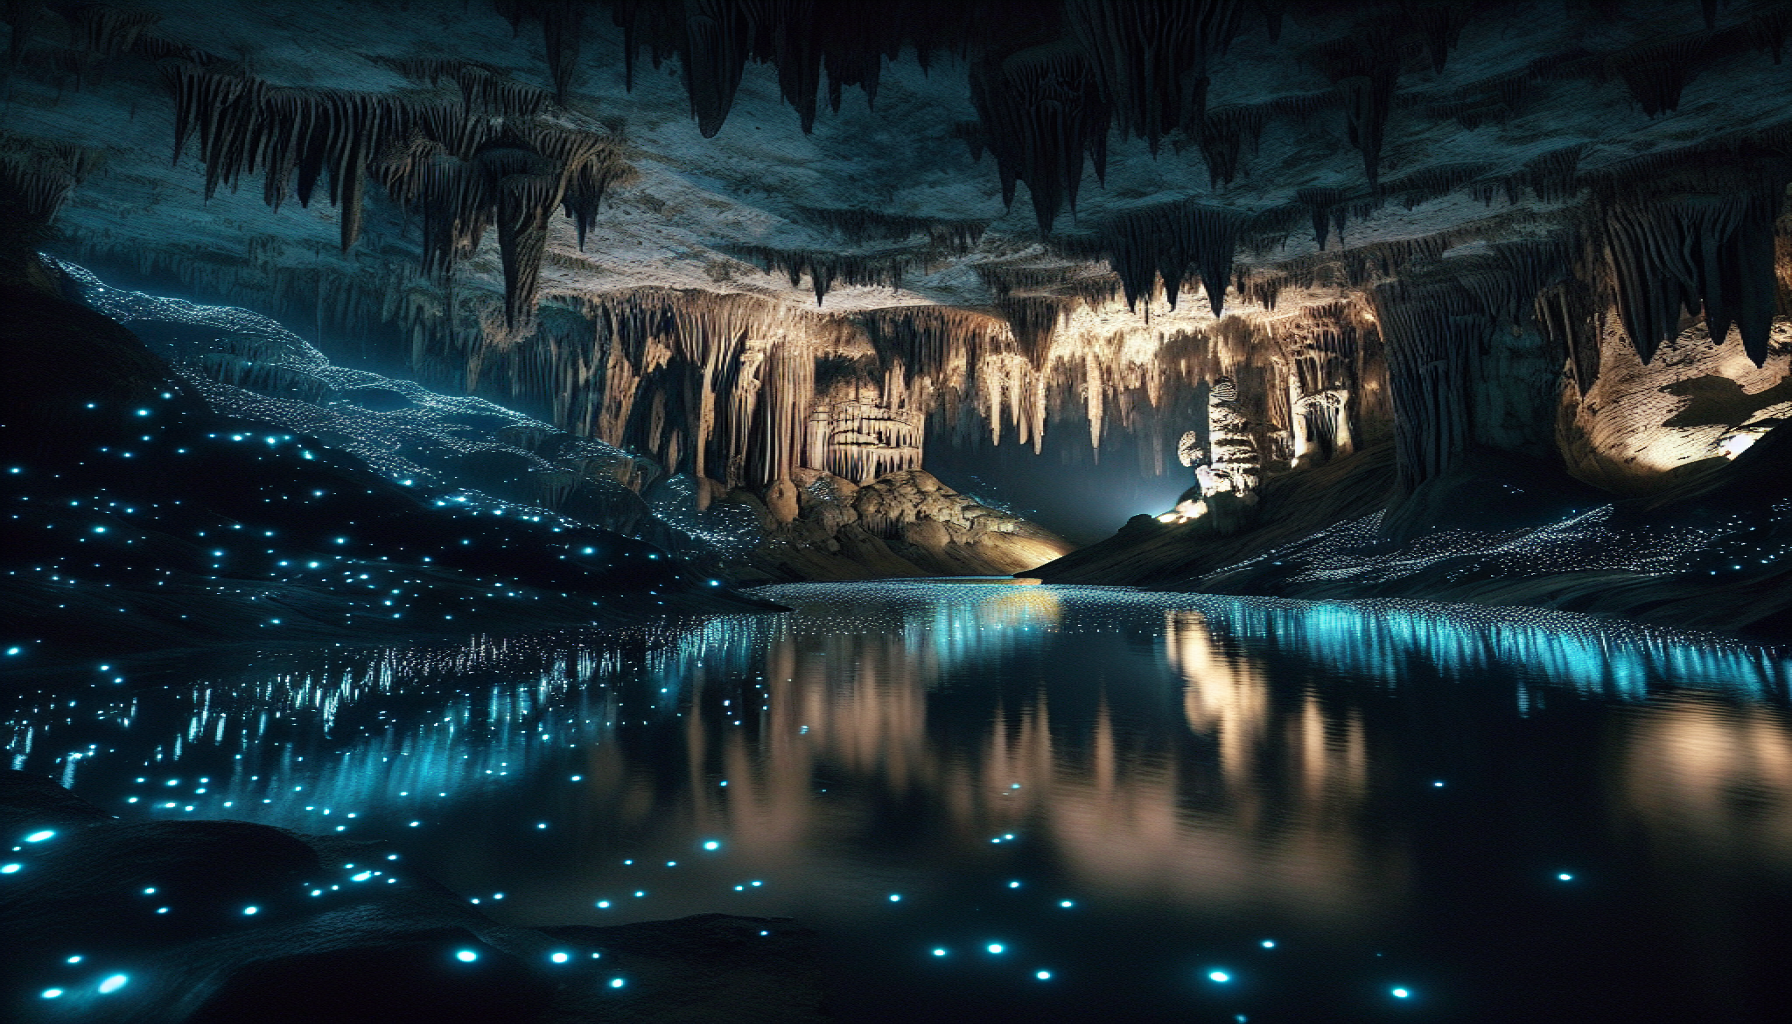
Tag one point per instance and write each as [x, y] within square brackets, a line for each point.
[1043, 975]
[1220, 976]
[712, 845]
[1066, 904]
[38, 837]
[1013, 885]
[1564, 877]
[559, 958]
[7, 869]
[615, 982]
[895, 897]
[603, 904]
[1439, 783]
[251, 910]
[113, 984]
[15, 650]
[1268, 943]
[151, 891]
[52, 993]
[75, 959]
[939, 952]
[542, 824]
[466, 956]
[995, 947]
[1401, 993]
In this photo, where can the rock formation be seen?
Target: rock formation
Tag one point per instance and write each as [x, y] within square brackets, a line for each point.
[1443, 226]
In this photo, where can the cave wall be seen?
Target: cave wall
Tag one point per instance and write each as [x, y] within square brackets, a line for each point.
[1457, 225]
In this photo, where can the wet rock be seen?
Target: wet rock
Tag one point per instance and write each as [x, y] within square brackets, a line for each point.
[211, 921]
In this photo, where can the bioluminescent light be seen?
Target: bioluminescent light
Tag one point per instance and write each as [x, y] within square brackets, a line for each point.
[1014, 885]
[1066, 904]
[1564, 877]
[559, 958]
[895, 897]
[603, 904]
[77, 958]
[616, 982]
[1268, 943]
[995, 947]
[38, 837]
[7, 869]
[1218, 976]
[1043, 975]
[1438, 783]
[466, 956]
[1401, 993]
[251, 911]
[52, 993]
[712, 845]
[939, 952]
[113, 984]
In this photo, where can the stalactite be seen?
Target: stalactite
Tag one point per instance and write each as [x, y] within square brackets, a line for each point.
[1151, 59]
[1700, 240]
[1433, 182]
[107, 30]
[1364, 68]
[1041, 111]
[1080, 282]
[1032, 319]
[1224, 134]
[823, 268]
[452, 165]
[1656, 73]
[36, 175]
[1172, 243]
[859, 226]
[482, 87]
[23, 16]
[1331, 209]
[1439, 24]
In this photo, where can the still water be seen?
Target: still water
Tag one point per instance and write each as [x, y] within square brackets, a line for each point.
[1008, 802]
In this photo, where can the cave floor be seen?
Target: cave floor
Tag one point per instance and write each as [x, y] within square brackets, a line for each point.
[1038, 802]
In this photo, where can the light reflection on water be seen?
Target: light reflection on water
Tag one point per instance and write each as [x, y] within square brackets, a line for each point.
[1203, 765]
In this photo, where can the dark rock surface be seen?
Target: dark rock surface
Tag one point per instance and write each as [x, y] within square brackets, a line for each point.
[1709, 554]
[380, 943]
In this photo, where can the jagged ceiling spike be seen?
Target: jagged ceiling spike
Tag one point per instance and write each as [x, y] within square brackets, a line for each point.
[1364, 67]
[107, 30]
[1224, 134]
[1151, 58]
[1440, 24]
[23, 16]
[1173, 242]
[1656, 73]
[1041, 111]
[1696, 237]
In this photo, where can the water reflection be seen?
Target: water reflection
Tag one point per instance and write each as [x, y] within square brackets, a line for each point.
[1711, 782]
[1175, 755]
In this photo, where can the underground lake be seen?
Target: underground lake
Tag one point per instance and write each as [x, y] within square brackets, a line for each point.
[1021, 802]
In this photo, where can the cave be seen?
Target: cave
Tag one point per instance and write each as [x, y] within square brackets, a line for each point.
[895, 510]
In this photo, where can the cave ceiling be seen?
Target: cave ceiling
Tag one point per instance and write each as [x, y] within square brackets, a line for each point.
[1285, 154]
